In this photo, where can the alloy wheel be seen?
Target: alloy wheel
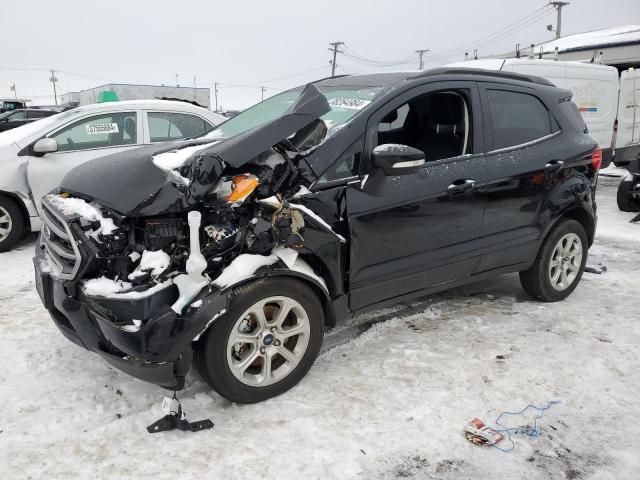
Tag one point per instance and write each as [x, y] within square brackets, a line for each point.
[5, 224]
[566, 261]
[268, 341]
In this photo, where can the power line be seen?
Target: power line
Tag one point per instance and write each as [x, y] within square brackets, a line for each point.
[496, 36]
[356, 57]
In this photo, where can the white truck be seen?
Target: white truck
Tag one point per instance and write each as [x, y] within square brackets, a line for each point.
[609, 103]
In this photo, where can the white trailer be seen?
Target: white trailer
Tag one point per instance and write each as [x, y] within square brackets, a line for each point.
[598, 92]
[628, 136]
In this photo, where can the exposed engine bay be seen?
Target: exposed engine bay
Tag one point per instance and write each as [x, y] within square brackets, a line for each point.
[245, 212]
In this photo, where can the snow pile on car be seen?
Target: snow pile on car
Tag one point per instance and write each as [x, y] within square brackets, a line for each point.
[82, 208]
[171, 161]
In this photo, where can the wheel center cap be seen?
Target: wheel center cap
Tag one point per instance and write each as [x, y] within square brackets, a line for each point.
[267, 339]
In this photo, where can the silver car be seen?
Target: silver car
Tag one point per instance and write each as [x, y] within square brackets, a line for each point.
[35, 157]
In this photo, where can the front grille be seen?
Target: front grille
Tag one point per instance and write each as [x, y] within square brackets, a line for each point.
[59, 243]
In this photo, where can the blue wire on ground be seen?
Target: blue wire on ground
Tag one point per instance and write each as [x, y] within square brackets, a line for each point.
[533, 431]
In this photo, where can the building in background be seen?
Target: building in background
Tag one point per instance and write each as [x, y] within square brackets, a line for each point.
[618, 47]
[122, 91]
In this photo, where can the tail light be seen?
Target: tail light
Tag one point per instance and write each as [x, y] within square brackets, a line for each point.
[596, 158]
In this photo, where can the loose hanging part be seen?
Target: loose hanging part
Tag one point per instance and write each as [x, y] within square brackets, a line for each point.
[175, 418]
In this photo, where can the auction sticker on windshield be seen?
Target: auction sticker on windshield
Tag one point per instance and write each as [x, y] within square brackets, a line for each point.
[352, 103]
[97, 128]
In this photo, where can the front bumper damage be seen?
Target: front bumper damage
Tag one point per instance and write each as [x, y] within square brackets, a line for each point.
[142, 337]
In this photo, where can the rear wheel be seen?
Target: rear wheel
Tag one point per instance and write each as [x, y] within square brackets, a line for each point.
[626, 200]
[559, 265]
[265, 343]
[11, 224]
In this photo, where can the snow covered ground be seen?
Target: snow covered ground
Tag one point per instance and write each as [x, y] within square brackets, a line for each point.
[388, 397]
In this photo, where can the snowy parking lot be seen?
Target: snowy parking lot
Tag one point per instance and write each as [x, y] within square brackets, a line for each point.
[387, 398]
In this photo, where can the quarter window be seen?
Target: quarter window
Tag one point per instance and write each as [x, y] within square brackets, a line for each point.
[164, 127]
[518, 118]
[347, 166]
[100, 131]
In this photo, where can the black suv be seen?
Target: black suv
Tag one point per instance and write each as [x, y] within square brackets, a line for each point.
[234, 250]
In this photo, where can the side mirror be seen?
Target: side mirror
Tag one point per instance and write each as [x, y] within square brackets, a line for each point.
[45, 145]
[395, 159]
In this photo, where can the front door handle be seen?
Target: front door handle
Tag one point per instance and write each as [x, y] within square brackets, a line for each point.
[461, 187]
[554, 166]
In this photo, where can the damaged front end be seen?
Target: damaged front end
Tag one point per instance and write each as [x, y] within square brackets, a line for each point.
[137, 263]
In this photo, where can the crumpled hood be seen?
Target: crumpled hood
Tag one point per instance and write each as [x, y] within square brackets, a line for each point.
[131, 184]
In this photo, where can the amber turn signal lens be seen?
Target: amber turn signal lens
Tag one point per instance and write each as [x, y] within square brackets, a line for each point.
[243, 185]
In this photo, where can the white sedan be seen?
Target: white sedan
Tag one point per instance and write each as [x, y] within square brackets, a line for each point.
[35, 157]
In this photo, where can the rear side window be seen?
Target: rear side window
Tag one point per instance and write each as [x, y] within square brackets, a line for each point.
[37, 114]
[518, 118]
[165, 126]
[571, 112]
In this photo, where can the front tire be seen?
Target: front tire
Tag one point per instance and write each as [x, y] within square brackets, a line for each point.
[265, 343]
[559, 265]
[11, 224]
[626, 202]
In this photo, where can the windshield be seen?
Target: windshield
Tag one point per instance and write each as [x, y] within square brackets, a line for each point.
[344, 101]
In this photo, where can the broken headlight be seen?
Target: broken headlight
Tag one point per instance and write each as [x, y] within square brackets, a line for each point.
[236, 188]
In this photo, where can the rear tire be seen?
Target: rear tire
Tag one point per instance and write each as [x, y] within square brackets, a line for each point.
[626, 202]
[11, 224]
[247, 356]
[559, 265]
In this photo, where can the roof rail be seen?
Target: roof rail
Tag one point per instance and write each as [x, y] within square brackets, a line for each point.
[484, 73]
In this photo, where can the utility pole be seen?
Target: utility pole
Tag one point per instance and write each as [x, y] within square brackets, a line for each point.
[262, 89]
[558, 6]
[53, 80]
[177, 83]
[194, 88]
[215, 94]
[334, 49]
[420, 54]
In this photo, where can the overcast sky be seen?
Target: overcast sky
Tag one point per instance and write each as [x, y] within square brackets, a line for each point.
[258, 42]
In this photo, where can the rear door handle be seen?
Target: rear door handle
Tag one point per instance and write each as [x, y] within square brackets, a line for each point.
[461, 187]
[554, 166]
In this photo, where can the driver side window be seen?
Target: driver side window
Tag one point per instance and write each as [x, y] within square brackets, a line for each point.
[99, 131]
[438, 123]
